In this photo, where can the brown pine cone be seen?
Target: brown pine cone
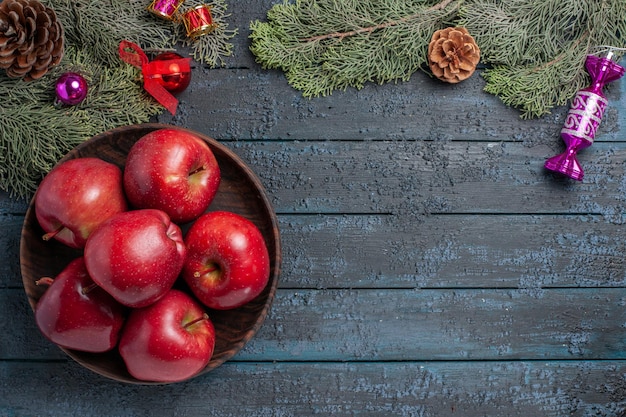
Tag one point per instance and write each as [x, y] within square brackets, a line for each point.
[31, 39]
[453, 54]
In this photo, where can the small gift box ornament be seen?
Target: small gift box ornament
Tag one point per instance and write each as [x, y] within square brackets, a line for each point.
[198, 21]
[165, 8]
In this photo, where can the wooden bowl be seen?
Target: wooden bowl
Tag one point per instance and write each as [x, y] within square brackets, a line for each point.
[240, 191]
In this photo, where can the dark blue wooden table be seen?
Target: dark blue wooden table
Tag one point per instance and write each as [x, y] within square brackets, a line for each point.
[431, 266]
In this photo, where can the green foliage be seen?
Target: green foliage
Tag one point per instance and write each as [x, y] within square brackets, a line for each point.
[536, 50]
[212, 48]
[327, 45]
[533, 50]
[35, 134]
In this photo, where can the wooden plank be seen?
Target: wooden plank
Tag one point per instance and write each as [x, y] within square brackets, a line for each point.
[22, 339]
[443, 325]
[458, 251]
[441, 251]
[267, 108]
[429, 389]
[11, 227]
[12, 205]
[417, 178]
[399, 325]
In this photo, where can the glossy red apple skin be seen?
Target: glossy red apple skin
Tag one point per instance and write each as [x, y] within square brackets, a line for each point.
[227, 262]
[79, 194]
[174, 171]
[76, 315]
[136, 256]
[159, 344]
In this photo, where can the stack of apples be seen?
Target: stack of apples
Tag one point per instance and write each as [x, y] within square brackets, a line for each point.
[141, 285]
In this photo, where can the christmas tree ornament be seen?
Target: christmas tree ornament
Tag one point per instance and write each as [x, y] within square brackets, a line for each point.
[175, 73]
[92, 31]
[585, 114]
[453, 54]
[165, 9]
[153, 72]
[532, 50]
[198, 21]
[31, 39]
[71, 89]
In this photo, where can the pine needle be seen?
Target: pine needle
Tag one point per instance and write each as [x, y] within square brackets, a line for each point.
[536, 50]
[212, 48]
[35, 134]
[533, 51]
[327, 45]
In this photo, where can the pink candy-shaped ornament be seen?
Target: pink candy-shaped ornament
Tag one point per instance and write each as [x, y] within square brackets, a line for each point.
[584, 116]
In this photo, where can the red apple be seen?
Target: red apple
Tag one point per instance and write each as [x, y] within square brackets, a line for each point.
[168, 341]
[136, 256]
[76, 314]
[227, 261]
[76, 196]
[174, 171]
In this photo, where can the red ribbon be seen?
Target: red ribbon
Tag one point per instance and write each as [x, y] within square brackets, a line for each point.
[132, 54]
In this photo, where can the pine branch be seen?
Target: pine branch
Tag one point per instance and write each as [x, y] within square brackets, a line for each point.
[533, 50]
[328, 45]
[536, 51]
[211, 48]
[370, 29]
[34, 134]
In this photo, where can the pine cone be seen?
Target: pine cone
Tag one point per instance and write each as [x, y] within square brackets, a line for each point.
[31, 39]
[453, 54]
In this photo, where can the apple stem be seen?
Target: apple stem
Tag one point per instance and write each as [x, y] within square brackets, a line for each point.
[211, 267]
[195, 171]
[44, 281]
[205, 316]
[86, 290]
[53, 233]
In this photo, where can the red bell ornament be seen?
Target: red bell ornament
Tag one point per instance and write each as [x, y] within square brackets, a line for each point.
[175, 73]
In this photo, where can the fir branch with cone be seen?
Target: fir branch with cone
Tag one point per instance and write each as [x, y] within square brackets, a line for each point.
[533, 51]
[328, 45]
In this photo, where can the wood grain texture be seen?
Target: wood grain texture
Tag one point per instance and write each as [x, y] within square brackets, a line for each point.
[417, 178]
[440, 251]
[403, 325]
[267, 108]
[431, 266]
[516, 389]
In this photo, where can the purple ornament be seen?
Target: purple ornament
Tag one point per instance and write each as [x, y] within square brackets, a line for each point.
[584, 116]
[71, 88]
